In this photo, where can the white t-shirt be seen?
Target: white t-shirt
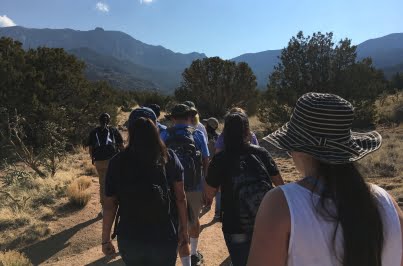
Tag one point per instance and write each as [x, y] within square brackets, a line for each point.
[311, 235]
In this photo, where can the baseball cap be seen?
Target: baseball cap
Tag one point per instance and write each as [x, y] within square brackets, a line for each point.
[142, 112]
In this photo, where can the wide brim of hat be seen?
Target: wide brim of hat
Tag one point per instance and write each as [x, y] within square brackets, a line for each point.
[359, 145]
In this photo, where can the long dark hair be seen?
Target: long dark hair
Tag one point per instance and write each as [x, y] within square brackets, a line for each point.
[236, 133]
[145, 142]
[357, 214]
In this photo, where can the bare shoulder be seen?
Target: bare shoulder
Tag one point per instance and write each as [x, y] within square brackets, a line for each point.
[275, 207]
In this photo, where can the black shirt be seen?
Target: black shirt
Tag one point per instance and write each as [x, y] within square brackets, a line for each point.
[220, 172]
[104, 142]
[174, 173]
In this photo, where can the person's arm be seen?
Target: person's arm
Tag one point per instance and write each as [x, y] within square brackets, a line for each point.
[206, 162]
[400, 214]
[272, 168]
[213, 180]
[219, 144]
[209, 193]
[90, 150]
[181, 205]
[109, 213]
[119, 140]
[272, 231]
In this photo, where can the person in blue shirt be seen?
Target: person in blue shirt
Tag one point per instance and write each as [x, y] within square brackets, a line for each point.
[191, 148]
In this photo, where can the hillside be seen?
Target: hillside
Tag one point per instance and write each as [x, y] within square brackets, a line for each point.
[123, 73]
[113, 44]
[128, 63]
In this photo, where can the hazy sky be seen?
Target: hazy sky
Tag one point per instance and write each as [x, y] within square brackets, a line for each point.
[225, 28]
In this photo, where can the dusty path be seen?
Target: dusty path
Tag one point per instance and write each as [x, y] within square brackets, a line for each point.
[76, 237]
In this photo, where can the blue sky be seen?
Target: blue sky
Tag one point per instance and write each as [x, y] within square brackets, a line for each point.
[225, 28]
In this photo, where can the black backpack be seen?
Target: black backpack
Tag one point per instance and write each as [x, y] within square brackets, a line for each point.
[108, 145]
[145, 200]
[190, 157]
[249, 187]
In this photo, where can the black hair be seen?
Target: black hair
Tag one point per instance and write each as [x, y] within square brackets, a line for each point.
[357, 214]
[145, 142]
[104, 119]
[236, 133]
[156, 109]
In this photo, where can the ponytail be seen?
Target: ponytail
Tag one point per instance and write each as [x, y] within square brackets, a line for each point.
[357, 214]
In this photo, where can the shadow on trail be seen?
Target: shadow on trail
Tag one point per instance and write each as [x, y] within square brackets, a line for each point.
[45, 249]
[106, 261]
[203, 226]
[226, 262]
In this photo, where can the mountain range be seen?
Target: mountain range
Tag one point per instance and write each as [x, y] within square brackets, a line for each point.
[130, 64]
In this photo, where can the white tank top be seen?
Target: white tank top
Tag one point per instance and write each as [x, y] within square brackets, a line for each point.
[311, 236]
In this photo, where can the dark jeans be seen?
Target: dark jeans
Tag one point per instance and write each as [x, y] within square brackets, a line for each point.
[147, 254]
[238, 246]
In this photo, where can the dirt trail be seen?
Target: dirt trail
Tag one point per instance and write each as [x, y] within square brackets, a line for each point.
[76, 237]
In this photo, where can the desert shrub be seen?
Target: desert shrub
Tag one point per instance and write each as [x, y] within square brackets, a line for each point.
[78, 193]
[84, 182]
[13, 258]
[13, 219]
[13, 176]
[387, 161]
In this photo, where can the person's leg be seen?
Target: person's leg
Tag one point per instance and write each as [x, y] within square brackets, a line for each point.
[238, 248]
[184, 255]
[102, 167]
[195, 202]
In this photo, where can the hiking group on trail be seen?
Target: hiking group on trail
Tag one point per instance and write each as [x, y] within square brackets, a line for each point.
[155, 189]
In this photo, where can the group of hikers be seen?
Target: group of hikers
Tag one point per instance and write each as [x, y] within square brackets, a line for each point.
[154, 190]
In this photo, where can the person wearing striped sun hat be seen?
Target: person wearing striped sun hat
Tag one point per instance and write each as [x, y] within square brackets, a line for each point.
[331, 216]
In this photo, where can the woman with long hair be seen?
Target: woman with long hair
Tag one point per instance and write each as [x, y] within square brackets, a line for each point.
[331, 216]
[143, 184]
[219, 144]
[245, 173]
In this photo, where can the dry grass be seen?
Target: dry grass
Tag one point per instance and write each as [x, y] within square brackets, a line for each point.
[33, 233]
[78, 192]
[388, 109]
[13, 219]
[21, 221]
[13, 258]
[388, 160]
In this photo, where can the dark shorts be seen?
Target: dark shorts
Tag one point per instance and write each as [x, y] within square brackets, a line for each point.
[135, 253]
[238, 247]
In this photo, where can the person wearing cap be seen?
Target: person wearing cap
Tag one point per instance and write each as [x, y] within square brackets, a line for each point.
[196, 119]
[182, 131]
[157, 110]
[331, 216]
[143, 239]
[103, 142]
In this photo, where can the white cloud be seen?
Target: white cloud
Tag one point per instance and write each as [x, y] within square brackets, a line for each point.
[146, 1]
[6, 21]
[102, 7]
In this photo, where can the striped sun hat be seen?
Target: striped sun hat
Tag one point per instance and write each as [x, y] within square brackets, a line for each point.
[320, 125]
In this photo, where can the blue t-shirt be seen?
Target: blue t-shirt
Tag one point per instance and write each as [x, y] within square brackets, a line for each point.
[198, 136]
[161, 127]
